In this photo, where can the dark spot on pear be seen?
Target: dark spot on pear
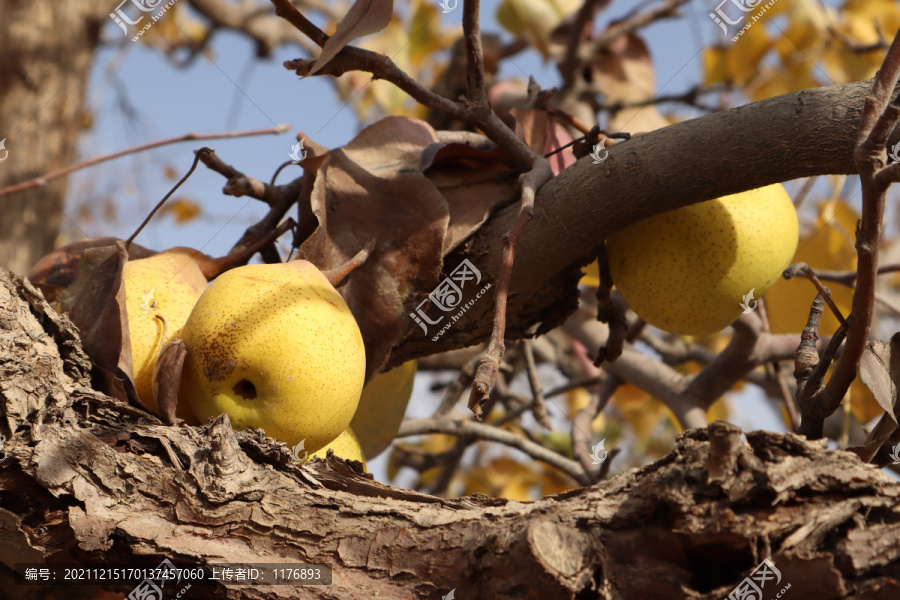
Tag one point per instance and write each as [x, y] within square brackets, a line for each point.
[245, 389]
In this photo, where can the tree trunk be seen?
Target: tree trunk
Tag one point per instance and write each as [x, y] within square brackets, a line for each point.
[46, 50]
[90, 480]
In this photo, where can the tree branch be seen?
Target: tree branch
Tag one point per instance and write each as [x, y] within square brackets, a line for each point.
[878, 120]
[584, 205]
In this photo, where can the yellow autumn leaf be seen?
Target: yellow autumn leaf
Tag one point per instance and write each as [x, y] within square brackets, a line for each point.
[591, 277]
[862, 20]
[576, 400]
[425, 34]
[862, 403]
[641, 411]
[785, 80]
[502, 478]
[535, 20]
[715, 65]
[719, 411]
[553, 482]
[830, 247]
[182, 210]
[859, 23]
[746, 54]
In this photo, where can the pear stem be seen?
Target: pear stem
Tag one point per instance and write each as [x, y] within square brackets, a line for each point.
[336, 275]
[213, 267]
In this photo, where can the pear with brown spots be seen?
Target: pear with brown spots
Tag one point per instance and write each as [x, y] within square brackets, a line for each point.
[275, 347]
[691, 271]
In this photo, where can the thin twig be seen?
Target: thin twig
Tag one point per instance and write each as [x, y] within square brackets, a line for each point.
[574, 384]
[201, 152]
[689, 97]
[483, 431]
[39, 181]
[635, 22]
[804, 269]
[566, 117]
[537, 173]
[539, 404]
[848, 277]
[804, 191]
[581, 425]
[611, 310]
[777, 373]
[569, 64]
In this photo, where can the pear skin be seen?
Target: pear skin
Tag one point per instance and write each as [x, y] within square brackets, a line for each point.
[160, 289]
[275, 347]
[694, 270]
[381, 408]
[345, 446]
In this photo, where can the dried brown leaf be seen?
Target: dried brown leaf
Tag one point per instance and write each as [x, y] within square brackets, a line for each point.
[473, 193]
[623, 72]
[874, 372]
[544, 135]
[476, 178]
[58, 269]
[363, 18]
[372, 193]
[167, 378]
[95, 303]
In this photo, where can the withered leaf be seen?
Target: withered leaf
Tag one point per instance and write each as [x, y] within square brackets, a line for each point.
[544, 135]
[874, 371]
[476, 179]
[623, 73]
[363, 18]
[95, 303]
[372, 193]
[167, 378]
[880, 434]
[58, 269]
[408, 196]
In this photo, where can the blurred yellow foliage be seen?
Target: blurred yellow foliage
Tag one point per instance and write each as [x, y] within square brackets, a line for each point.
[503, 477]
[814, 39]
[535, 20]
[182, 210]
[830, 247]
[591, 277]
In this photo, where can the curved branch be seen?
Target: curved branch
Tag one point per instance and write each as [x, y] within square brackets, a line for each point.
[483, 431]
[806, 133]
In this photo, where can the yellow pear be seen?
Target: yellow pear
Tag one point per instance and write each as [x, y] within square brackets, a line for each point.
[275, 347]
[381, 408]
[165, 285]
[694, 270]
[345, 446]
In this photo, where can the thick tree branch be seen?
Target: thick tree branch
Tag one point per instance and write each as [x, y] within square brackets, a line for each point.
[584, 204]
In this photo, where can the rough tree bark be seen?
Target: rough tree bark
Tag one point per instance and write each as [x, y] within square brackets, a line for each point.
[46, 49]
[88, 479]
